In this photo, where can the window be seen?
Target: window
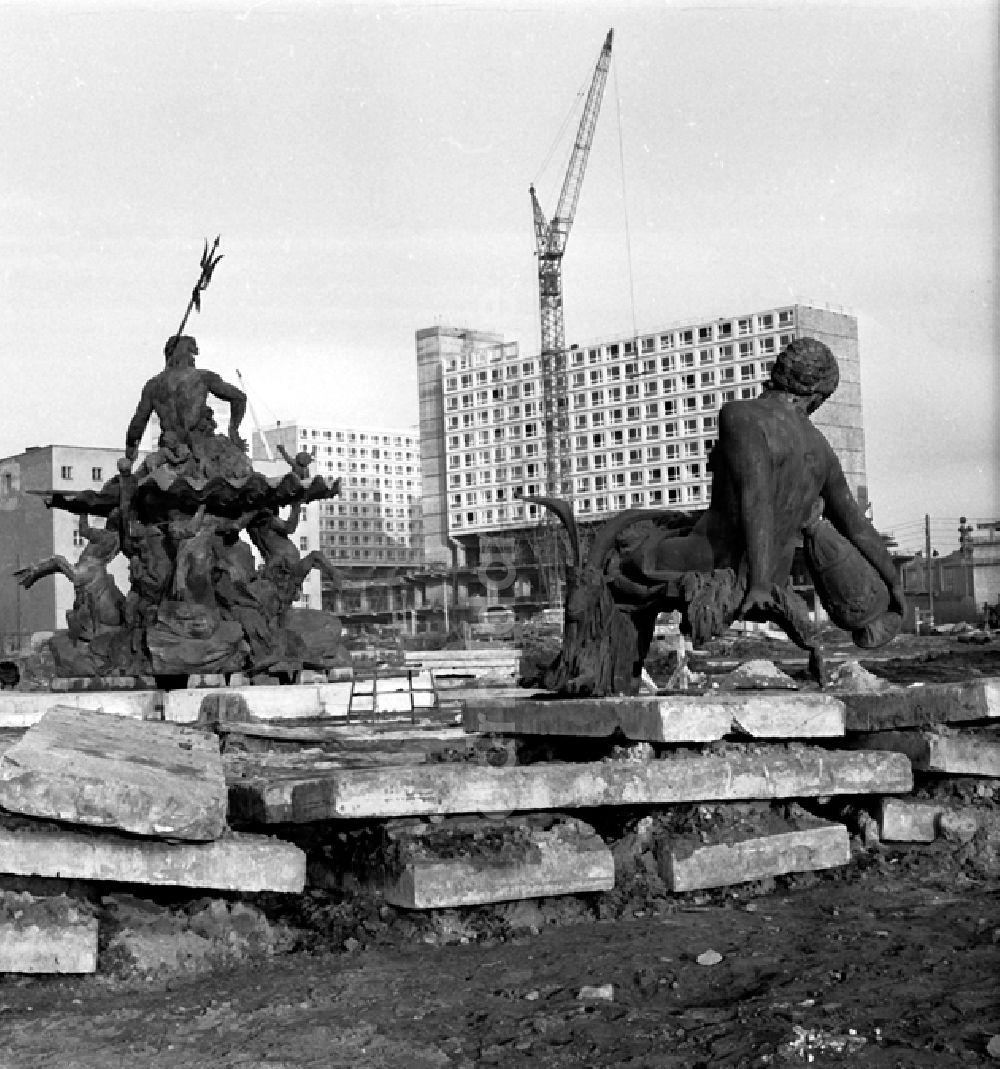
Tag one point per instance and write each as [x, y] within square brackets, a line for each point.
[303, 542]
[766, 322]
[66, 471]
[96, 474]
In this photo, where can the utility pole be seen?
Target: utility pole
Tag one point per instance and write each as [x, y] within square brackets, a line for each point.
[930, 572]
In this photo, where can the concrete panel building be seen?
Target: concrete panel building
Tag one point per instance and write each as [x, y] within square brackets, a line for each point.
[643, 417]
[372, 533]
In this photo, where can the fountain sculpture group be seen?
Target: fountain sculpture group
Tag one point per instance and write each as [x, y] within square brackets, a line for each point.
[199, 601]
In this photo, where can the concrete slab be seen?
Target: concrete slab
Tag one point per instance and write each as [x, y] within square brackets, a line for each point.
[45, 935]
[968, 753]
[567, 857]
[924, 706]
[24, 709]
[662, 718]
[263, 703]
[904, 820]
[425, 736]
[234, 863]
[109, 771]
[421, 790]
[689, 867]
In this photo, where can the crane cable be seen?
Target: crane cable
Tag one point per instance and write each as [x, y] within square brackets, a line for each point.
[628, 236]
[571, 116]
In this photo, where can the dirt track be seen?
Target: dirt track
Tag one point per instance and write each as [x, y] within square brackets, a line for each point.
[893, 963]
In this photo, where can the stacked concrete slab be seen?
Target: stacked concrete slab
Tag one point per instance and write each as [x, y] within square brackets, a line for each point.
[657, 751]
[95, 796]
[948, 731]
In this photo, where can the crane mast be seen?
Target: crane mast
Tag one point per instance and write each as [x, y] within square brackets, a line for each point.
[550, 244]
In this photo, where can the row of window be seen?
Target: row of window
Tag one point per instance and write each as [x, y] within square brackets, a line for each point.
[491, 386]
[721, 330]
[694, 494]
[65, 472]
[355, 436]
[352, 452]
[507, 422]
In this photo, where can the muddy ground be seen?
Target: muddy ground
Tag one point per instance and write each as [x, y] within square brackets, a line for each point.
[893, 960]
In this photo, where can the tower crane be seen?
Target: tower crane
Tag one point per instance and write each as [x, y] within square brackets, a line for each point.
[550, 244]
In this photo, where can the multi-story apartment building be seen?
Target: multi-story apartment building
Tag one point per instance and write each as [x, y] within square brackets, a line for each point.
[29, 532]
[373, 531]
[643, 414]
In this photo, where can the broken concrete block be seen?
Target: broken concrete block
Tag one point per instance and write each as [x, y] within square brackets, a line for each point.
[109, 771]
[45, 935]
[905, 820]
[689, 866]
[923, 706]
[664, 718]
[421, 790]
[233, 863]
[23, 709]
[969, 752]
[496, 861]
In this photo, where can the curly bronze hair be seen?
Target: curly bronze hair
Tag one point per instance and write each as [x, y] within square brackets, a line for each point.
[805, 367]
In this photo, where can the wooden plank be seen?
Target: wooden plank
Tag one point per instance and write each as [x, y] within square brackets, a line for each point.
[969, 753]
[237, 862]
[661, 718]
[566, 858]
[924, 706]
[114, 772]
[688, 868]
[22, 709]
[45, 935]
[460, 788]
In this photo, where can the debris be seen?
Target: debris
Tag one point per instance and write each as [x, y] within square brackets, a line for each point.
[851, 678]
[757, 675]
[603, 992]
[709, 957]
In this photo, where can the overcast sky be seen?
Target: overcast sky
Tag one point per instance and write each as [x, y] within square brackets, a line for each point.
[367, 168]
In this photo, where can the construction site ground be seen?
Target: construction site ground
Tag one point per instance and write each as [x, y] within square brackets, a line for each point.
[892, 960]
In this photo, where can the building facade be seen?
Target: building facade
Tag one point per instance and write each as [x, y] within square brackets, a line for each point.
[643, 416]
[373, 531]
[29, 532]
